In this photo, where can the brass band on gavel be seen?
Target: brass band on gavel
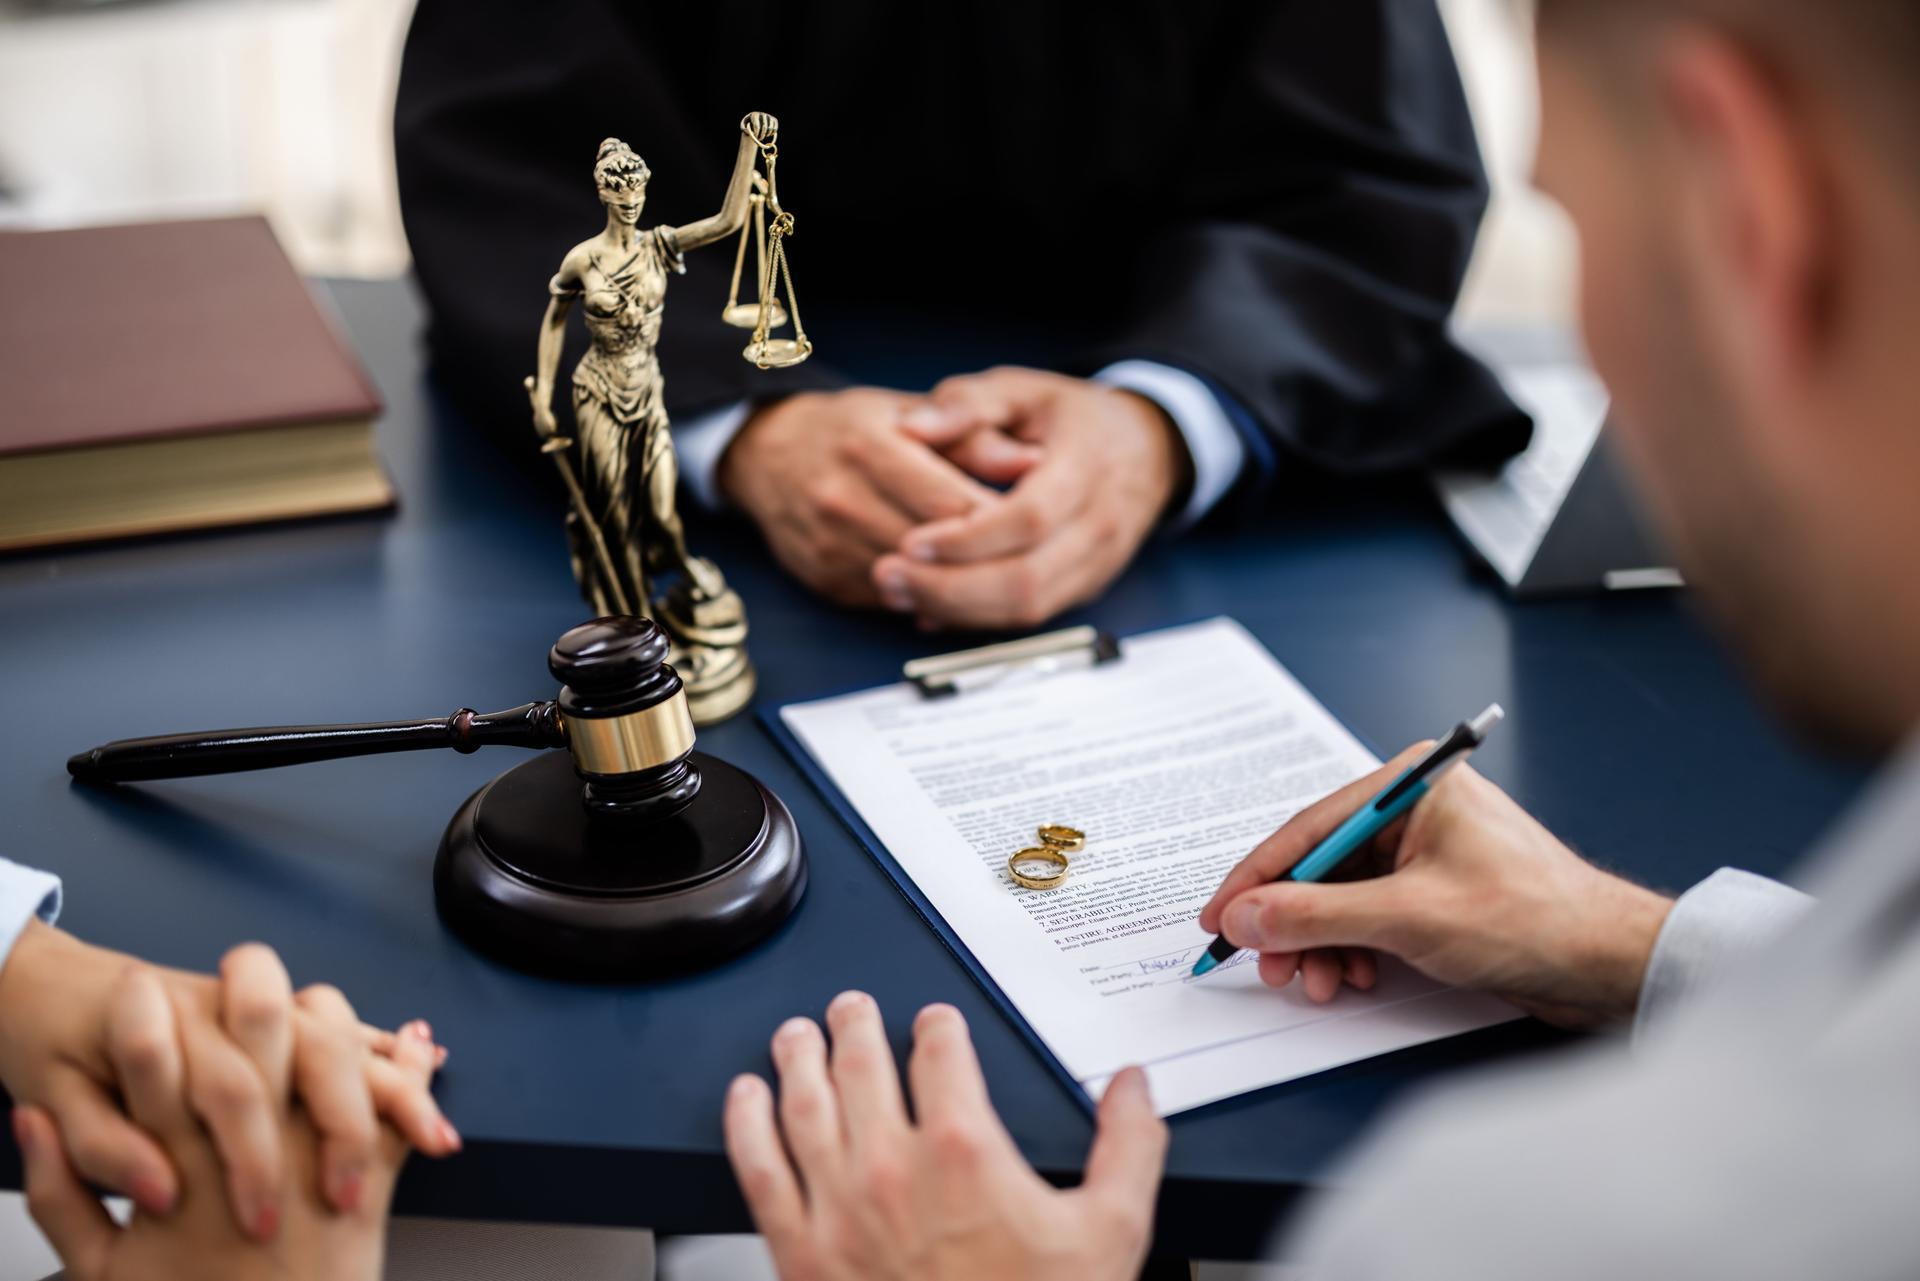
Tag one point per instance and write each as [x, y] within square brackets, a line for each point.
[634, 741]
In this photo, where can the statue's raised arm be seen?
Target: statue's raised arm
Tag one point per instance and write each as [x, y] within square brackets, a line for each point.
[759, 132]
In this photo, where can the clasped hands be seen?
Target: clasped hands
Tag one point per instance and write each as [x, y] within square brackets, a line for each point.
[179, 1091]
[997, 500]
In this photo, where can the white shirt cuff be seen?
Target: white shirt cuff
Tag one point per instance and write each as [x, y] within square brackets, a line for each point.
[1722, 920]
[699, 443]
[25, 893]
[1215, 447]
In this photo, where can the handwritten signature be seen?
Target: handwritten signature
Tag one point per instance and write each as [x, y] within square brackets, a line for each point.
[1184, 961]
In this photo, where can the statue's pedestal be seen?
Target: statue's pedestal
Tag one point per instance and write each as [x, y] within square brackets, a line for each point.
[709, 651]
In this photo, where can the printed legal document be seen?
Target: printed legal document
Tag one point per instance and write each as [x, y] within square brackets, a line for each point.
[1176, 761]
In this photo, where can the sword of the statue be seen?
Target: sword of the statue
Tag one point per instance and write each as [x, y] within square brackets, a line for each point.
[556, 447]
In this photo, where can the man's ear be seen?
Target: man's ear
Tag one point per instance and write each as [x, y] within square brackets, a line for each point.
[1760, 238]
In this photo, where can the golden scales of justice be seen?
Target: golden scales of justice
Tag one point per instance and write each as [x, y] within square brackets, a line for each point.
[768, 313]
[629, 548]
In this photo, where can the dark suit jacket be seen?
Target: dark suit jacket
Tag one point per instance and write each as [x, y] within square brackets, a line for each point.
[1277, 195]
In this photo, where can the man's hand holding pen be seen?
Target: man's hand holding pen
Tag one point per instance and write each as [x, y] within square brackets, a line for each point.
[1468, 888]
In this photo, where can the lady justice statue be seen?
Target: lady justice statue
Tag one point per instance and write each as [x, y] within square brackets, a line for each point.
[629, 549]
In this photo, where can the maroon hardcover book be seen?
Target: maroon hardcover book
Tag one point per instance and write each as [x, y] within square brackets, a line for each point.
[119, 333]
[120, 347]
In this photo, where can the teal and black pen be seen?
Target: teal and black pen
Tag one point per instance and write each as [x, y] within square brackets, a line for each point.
[1399, 797]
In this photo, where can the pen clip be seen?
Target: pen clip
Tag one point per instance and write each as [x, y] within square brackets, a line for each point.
[1463, 738]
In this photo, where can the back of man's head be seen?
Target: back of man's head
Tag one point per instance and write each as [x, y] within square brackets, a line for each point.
[1865, 53]
[1746, 178]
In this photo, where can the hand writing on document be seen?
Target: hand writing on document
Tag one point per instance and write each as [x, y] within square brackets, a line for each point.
[146, 1038]
[845, 1185]
[1468, 889]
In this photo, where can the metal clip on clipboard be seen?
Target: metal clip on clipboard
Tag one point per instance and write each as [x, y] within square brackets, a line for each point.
[943, 675]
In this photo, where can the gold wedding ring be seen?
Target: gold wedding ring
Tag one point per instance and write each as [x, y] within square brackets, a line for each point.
[1061, 837]
[1038, 854]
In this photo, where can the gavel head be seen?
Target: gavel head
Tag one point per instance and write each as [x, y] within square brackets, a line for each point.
[625, 716]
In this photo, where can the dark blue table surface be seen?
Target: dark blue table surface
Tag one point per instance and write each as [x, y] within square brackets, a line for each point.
[1628, 734]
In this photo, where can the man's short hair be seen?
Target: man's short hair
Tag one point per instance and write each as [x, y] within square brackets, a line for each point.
[1862, 55]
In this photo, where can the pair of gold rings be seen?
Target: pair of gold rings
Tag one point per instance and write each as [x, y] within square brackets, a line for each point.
[1057, 841]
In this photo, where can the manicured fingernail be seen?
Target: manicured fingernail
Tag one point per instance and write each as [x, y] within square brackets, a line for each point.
[1242, 924]
[744, 1087]
[449, 1137]
[419, 1030]
[347, 1186]
[791, 1030]
[924, 418]
[894, 592]
[151, 1194]
[921, 549]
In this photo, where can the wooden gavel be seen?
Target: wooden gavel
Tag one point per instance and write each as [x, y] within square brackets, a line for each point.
[622, 713]
[668, 858]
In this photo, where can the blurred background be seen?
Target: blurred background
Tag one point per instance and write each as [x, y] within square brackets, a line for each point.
[141, 109]
[117, 112]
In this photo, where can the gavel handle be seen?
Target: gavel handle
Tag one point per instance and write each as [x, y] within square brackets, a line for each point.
[228, 751]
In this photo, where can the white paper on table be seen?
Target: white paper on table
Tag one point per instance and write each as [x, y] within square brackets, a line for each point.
[1176, 761]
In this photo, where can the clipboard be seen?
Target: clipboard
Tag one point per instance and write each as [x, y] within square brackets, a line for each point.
[1263, 747]
[946, 676]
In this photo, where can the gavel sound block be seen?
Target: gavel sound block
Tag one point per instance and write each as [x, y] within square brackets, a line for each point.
[631, 854]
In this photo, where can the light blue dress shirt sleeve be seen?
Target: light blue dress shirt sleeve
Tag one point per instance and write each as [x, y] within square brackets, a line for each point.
[1713, 927]
[699, 443]
[25, 893]
[1215, 448]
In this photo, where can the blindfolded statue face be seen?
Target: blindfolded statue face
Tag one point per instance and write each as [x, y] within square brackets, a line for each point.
[625, 205]
[621, 175]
